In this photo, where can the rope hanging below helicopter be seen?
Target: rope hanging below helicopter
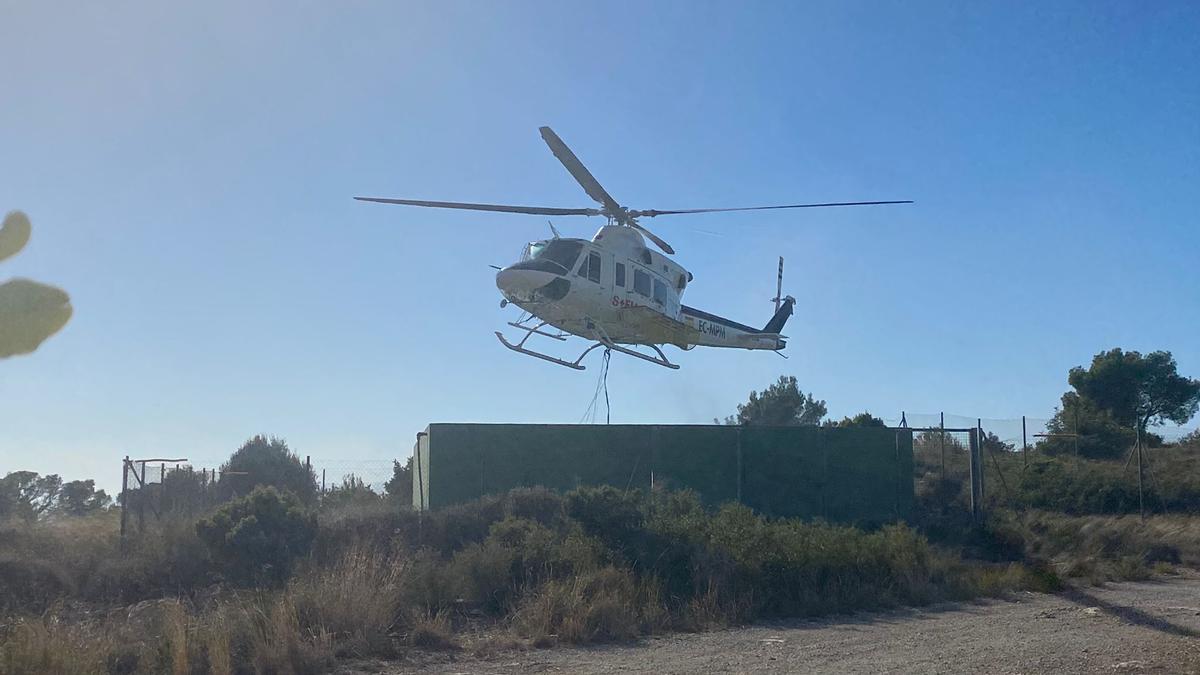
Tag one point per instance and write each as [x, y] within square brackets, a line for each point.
[589, 415]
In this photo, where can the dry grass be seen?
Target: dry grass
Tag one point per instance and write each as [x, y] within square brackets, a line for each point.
[261, 635]
[359, 600]
[433, 632]
[1109, 548]
[601, 606]
[53, 646]
[524, 570]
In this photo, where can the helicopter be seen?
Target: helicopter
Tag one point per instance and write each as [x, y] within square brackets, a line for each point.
[613, 290]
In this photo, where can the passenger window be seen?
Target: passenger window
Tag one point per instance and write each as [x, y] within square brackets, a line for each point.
[593, 273]
[662, 293]
[641, 282]
[620, 276]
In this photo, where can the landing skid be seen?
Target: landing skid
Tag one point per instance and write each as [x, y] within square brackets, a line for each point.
[602, 340]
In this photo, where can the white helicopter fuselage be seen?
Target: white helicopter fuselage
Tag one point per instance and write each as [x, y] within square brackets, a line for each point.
[614, 288]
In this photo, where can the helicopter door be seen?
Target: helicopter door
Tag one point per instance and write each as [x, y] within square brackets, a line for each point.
[591, 271]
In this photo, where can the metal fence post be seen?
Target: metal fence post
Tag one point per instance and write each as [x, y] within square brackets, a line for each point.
[124, 496]
[942, 426]
[973, 473]
[979, 457]
[1024, 446]
[1141, 496]
[142, 500]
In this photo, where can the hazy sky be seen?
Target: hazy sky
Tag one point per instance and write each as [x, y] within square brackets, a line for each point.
[189, 170]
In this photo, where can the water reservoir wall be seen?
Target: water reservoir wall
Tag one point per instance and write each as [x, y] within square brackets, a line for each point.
[854, 474]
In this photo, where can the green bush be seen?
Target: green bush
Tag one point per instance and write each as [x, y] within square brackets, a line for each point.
[615, 517]
[256, 538]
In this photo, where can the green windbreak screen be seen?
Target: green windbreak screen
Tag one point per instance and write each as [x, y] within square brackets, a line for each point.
[842, 474]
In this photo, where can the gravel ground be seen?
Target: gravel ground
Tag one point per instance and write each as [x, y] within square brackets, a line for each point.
[1149, 627]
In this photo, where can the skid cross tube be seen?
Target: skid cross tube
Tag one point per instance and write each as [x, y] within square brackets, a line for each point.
[602, 340]
[537, 330]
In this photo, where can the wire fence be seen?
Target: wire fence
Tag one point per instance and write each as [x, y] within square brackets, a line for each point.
[154, 488]
[330, 474]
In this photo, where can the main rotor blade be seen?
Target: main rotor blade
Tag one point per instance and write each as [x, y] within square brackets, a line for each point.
[654, 238]
[502, 208]
[655, 212]
[584, 177]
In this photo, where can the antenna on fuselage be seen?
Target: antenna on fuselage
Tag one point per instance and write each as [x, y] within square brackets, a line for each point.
[553, 231]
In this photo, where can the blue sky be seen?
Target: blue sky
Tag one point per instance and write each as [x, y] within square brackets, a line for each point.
[188, 170]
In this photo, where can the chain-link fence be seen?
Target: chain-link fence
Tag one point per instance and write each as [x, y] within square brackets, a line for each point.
[339, 473]
[1061, 463]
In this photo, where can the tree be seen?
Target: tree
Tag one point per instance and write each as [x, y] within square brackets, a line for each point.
[80, 497]
[1138, 391]
[862, 419]
[400, 486]
[27, 495]
[781, 404]
[1096, 433]
[267, 461]
[1120, 394]
[184, 489]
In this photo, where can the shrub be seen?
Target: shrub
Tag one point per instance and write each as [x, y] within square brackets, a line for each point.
[353, 493]
[256, 538]
[31, 584]
[613, 516]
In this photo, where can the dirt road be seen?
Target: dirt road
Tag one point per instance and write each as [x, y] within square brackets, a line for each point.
[1151, 627]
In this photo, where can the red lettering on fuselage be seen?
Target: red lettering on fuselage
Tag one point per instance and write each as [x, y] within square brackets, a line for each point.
[618, 301]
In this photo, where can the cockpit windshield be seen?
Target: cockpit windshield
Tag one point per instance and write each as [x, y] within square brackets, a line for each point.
[560, 252]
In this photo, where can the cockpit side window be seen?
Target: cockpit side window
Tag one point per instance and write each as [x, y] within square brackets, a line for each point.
[594, 267]
[620, 275]
[590, 268]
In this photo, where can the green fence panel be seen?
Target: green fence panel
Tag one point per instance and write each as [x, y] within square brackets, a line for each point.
[864, 474]
[700, 458]
[783, 471]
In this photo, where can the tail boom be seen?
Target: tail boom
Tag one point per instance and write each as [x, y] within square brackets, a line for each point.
[711, 330]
